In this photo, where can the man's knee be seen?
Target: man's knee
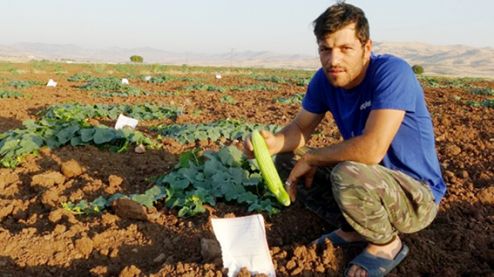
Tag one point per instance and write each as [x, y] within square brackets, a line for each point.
[348, 182]
[347, 172]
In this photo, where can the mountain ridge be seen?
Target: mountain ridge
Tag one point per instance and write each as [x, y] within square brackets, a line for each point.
[448, 60]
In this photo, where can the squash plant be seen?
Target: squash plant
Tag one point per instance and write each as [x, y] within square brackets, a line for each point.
[225, 176]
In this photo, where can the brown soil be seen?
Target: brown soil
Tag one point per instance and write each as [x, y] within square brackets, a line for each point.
[39, 238]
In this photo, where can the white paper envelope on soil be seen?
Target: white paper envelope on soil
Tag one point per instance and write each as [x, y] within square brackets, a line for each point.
[243, 244]
[125, 81]
[51, 83]
[123, 121]
[147, 78]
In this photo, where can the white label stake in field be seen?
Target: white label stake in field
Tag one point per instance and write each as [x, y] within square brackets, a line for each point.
[123, 121]
[243, 244]
[51, 83]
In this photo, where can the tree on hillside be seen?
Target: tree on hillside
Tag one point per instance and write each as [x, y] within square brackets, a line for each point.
[136, 59]
[418, 69]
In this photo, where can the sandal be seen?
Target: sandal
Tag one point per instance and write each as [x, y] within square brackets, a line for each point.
[377, 266]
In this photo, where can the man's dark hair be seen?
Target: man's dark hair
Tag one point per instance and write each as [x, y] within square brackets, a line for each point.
[339, 16]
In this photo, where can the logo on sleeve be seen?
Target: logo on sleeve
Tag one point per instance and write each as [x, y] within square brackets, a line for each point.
[365, 105]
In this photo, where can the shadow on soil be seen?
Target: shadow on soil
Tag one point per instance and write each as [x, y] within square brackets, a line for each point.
[7, 124]
[104, 173]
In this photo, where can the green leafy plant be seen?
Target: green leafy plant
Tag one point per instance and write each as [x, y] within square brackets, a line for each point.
[229, 129]
[203, 87]
[24, 84]
[160, 79]
[104, 84]
[228, 99]
[272, 79]
[81, 112]
[442, 82]
[255, 87]
[80, 77]
[126, 93]
[294, 99]
[482, 91]
[489, 103]
[199, 180]
[10, 94]
[148, 198]
[225, 175]
[296, 80]
[301, 81]
[16, 144]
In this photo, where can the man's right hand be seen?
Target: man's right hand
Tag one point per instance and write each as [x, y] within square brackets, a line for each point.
[269, 138]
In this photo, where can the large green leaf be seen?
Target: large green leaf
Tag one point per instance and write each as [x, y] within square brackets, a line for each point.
[8, 145]
[231, 156]
[76, 141]
[66, 134]
[87, 134]
[30, 143]
[103, 135]
[188, 157]
[143, 199]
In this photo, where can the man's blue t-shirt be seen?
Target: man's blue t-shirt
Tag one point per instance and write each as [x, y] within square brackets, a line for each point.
[389, 83]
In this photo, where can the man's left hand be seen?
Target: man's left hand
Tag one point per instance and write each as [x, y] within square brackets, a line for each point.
[301, 169]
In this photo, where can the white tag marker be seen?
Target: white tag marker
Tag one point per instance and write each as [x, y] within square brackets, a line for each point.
[51, 83]
[123, 121]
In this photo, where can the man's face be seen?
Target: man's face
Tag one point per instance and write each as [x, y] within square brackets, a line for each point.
[344, 58]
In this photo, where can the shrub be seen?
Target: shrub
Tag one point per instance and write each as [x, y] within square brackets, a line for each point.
[136, 59]
[418, 69]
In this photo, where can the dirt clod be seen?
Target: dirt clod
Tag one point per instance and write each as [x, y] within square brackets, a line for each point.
[84, 246]
[56, 215]
[6, 211]
[131, 271]
[127, 208]
[50, 198]
[48, 179]
[7, 178]
[453, 150]
[115, 181]
[486, 196]
[71, 169]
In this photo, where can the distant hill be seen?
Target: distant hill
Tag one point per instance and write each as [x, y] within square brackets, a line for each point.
[453, 60]
[449, 60]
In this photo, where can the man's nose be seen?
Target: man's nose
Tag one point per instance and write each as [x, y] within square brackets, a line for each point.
[333, 58]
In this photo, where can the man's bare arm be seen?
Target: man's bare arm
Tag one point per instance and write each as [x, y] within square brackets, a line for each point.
[369, 148]
[298, 132]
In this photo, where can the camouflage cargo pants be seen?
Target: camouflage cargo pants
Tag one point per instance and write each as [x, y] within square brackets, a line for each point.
[378, 202]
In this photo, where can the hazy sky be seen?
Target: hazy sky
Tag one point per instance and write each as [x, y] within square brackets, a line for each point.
[218, 26]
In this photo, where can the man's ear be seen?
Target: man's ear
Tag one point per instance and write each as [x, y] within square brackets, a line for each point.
[368, 48]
